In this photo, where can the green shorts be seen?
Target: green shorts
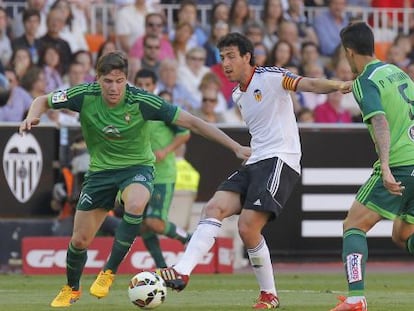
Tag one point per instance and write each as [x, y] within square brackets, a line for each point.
[160, 202]
[100, 188]
[376, 197]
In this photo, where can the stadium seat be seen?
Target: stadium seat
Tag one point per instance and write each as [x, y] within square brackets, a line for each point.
[381, 49]
[94, 41]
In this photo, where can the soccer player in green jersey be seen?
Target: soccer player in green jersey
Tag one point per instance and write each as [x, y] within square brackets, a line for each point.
[113, 117]
[165, 139]
[385, 95]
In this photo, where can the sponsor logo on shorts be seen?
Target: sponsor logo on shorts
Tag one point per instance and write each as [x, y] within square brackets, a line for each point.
[139, 177]
[354, 267]
[257, 202]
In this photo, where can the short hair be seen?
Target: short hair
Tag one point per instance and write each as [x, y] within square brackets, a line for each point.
[146, 73]
[27, 13]
[116, 60]
[238, 40]
[359, 37]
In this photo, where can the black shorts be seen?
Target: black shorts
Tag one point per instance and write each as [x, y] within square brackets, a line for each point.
[263, 186]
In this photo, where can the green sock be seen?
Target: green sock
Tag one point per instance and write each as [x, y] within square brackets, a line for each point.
[174, 232]
[75, 262]
[410, 244]
[152, 243]
[124, 237]
[354, 257]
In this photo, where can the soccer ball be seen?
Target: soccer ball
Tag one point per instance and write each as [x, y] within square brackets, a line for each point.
[147, 290]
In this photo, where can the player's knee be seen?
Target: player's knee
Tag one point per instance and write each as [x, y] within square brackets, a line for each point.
[155, 224]
[212, 210]
[80, 242]
[399, 240]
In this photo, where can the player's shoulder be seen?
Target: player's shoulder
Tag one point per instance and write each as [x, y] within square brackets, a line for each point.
[269, 70]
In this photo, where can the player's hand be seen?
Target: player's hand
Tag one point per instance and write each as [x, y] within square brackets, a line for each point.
[243, 152]
[27, 124]
[160, 155]
[345, 87]
[393, 186]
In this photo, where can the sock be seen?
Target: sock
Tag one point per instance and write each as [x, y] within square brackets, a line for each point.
[152, 243]
[354, 257]
[201, 242]
[124, 237]
[75, 262]
[410, 244]
[174, 232]
[262, 266]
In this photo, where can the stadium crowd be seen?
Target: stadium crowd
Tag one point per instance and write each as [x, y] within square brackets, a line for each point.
[48, 46]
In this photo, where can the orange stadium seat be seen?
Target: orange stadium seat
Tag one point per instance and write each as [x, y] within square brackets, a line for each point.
[381, 49]
[94, 41]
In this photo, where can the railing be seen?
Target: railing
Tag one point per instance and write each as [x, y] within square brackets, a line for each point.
[382, 19]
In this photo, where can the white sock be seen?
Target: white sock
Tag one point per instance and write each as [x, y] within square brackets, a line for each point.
[262, 267]
[201, 242]
[354, 299]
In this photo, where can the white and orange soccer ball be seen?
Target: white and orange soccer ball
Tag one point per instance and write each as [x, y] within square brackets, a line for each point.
[147, 290]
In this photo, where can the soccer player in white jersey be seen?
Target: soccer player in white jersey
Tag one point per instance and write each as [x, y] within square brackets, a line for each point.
[258, 190]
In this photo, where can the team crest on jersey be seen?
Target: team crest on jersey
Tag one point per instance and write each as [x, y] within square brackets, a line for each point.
[128, 118]
[258, 95]
[22, 165]
[59, 97]
[411, 132]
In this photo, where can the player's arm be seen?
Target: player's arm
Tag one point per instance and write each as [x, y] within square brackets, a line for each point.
[382, 138]
[37, 108]
[211, 132]
[295, 83]
[179, 139]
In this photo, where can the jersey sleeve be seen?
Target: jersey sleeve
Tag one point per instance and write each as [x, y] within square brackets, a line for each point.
[368, 97]
[71, 98]
[177, 130]
[153, 107]
[290, 81]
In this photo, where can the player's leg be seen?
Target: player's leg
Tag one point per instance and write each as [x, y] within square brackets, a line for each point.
[271, 183]
[86, 224]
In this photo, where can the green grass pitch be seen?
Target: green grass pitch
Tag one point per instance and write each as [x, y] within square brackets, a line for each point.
[297, 291]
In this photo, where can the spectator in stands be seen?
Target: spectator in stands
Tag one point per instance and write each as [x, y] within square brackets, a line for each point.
[180, 44]
[218, 30]
[5, 45]
[55, 24]
[309, 54]
[72, 31]
[17, 99]
[410, 70]
[296, 14]
[130, 23]
[18, 25]
[288, 31]
[328, 24]
[20, 61]
[151, 58]
[52, 68]
[305, 115]
[192, 72]
[272, 15]
[154, 25]
[281, 54]
[209, 102]
[239, 15]
[187, 13]
[28, 40]
[312, 100]
[404, 42]
[254, 32]
[86, 59]
[107, 46]
[260, 54]
[397, 56]
[332, 111]
[34, 81]
[75, 75]
[168, 76]
[219, 12]
[211, 81]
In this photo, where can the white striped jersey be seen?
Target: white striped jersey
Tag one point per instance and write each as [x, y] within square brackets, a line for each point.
[267, 109]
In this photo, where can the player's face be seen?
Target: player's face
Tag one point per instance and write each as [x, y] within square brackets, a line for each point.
[234, 65]
[349, 56]
[113, 86]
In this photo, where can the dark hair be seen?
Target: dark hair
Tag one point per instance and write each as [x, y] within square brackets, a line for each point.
[359, 37]
[238, 40]
[146, 73]
[112, 61]
[30, 77]
[27, 13]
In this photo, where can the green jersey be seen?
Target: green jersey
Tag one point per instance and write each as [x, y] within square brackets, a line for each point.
[385, 89]
[161, 135]
[116, 137]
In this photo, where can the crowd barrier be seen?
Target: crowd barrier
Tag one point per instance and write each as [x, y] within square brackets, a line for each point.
[336, 161]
